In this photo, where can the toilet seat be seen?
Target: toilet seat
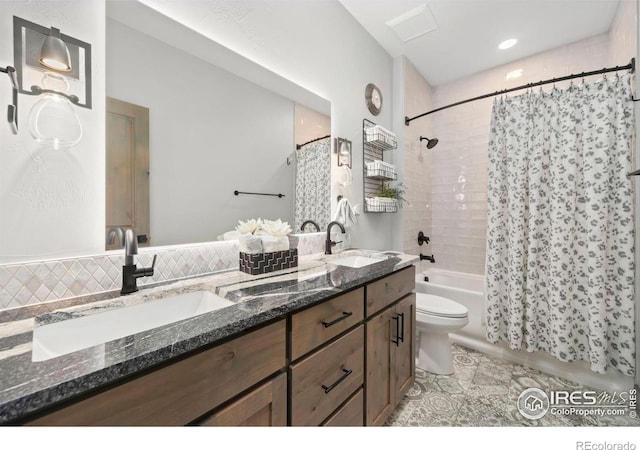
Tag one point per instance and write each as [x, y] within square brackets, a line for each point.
[435, 305]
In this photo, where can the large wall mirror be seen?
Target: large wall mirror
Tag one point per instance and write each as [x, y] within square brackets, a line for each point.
[189, 123]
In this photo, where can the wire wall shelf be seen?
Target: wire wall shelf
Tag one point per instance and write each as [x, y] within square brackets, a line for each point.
[378, 137]
[375, 141]
[381, 205]
[380, 170]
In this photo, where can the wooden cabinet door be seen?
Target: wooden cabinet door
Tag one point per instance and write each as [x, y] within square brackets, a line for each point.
[265, 406]
[404, 359]
[381, 330]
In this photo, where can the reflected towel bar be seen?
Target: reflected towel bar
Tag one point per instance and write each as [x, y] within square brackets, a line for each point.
[257, 193]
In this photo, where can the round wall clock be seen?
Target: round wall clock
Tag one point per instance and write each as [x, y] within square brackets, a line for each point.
[373, 97]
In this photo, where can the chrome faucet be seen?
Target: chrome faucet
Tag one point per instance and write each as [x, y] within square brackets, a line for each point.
[329, 243]
[309, 222]
[130, 273]
[115, 232]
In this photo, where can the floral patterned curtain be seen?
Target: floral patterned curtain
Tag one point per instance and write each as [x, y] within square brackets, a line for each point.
[313, 183]
[560, 238]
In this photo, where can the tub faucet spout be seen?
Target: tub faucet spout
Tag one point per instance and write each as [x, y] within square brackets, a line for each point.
[428, 258]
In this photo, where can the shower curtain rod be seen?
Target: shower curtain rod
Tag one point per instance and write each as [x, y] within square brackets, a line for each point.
[299, 146]
[631, 66]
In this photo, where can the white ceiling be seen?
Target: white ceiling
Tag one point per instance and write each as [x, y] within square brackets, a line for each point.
[469, 31]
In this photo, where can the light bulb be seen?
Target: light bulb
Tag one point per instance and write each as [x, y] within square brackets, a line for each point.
[52, 119]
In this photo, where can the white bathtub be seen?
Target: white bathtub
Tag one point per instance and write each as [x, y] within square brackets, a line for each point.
[468, 290]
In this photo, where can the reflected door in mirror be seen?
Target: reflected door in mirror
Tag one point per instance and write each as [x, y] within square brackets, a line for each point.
[127, 171]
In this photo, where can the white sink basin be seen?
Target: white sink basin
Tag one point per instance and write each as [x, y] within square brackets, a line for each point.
[356, 261]
[61, 338]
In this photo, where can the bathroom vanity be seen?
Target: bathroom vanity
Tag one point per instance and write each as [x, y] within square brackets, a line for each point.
[323, 345]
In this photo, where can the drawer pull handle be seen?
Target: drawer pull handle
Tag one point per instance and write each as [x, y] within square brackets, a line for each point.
[339, 319]
[346, 373]
[397, 339]
[401, 337]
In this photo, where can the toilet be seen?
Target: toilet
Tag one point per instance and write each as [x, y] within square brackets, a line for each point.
[436, 317]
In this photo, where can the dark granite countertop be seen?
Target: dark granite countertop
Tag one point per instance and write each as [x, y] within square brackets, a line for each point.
[27, 386]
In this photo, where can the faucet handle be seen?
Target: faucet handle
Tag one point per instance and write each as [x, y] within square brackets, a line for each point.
[148, 271]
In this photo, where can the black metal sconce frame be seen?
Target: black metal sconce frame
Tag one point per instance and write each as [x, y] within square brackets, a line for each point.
[23, 32]
[12, 110]
[21, 55]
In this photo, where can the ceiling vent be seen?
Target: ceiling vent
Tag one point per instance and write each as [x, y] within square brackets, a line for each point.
[413, 23]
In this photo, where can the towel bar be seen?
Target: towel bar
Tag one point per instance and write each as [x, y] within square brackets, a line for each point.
[257, 193]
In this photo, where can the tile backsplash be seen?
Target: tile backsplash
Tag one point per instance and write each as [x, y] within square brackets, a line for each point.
[41, 281]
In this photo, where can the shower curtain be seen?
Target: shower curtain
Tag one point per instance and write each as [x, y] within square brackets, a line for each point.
[560, 237]
[313, 188]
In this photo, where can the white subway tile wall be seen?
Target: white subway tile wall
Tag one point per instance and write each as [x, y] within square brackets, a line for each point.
[42, 281]
[417, 162]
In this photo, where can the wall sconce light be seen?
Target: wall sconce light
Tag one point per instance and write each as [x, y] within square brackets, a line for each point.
[55, 53]
[343, 148]
[58, 67]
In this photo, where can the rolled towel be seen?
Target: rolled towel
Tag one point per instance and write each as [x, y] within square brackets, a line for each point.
[293, 241]
[275, 244]
[230, 236]
[250, 244]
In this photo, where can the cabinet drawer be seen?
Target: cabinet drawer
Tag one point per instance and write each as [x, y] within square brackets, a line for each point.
[350, 414]
[264, 406]
[324, 380]
[181, 392]
[317, 325]
[393, 287]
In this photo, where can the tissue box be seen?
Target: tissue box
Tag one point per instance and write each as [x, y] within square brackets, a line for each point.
[259, 263]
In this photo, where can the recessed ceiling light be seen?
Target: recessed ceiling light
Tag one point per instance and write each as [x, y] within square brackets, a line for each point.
[507, 44]
[514, 74]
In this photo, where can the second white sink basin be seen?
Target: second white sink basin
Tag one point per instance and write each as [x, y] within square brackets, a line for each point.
[61, 338]
[356, 261]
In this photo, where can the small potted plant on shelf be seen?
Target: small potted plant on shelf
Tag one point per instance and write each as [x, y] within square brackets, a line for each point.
[389, 197]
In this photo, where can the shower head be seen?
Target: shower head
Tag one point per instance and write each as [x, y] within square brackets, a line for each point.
[430, 142]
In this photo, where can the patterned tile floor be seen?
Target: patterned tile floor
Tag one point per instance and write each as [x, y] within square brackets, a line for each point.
[483, 392]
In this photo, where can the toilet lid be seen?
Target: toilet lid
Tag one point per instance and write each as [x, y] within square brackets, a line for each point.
[439, 306]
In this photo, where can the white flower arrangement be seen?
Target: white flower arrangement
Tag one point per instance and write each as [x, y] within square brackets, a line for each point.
[249, 227]
[276, 228]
